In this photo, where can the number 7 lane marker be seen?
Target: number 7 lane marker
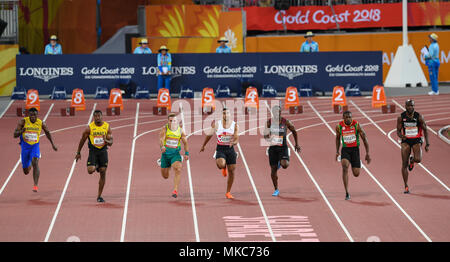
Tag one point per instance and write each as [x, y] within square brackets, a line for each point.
[376, 181]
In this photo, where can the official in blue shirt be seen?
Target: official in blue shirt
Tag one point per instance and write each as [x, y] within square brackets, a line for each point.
[223, 48]
[432, 61]
[143, 48]
[164, 67]
[309, 45]
[53, 48]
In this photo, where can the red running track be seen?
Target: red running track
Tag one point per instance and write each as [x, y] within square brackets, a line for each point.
[311, 205]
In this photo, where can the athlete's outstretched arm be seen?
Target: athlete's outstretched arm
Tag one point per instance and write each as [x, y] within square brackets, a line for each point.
[363, 136]
[20, 128]
[399, 128]
[338, 141]
[108, 138]
[48, 135]
[84, 136]
[209, 134]
[425, 132]
[235, 135]
[291, 127]
[162, 138]
[185, 145]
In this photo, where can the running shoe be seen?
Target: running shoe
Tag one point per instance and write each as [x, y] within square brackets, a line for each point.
[411, 163]
[228, 195]
[174, 194]
[276, 192]
[35, 188]
[347, 196]
[224, 172]
[406, 190]
[100, 199]
[158, 162]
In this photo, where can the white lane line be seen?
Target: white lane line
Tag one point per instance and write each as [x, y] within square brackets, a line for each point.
[444, 138]
[58, 207]
[191, 188]
[130, 174]
[380, 185]
[396, 143]
[18, 161]
[269, 227]
[7, 107]
[315, 182]
[429, 128]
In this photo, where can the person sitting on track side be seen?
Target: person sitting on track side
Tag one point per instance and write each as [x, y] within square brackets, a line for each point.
[29, 130]
[100, 137]
[348, 132]
[410, 125]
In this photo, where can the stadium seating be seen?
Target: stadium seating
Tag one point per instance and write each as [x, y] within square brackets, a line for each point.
[58, 93]
[19, 93]
[186, 92]
[101, 93]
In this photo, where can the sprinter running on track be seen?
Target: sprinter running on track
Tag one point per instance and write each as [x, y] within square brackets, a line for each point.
[227, 136]
[100, 137]
[410, 126]
[29, 130]
[275, 132]
[348, 132]
[170, 138]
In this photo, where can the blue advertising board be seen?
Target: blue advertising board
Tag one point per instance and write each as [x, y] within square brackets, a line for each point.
[322, 70]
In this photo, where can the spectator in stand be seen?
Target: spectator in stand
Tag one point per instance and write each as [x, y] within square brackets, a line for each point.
[223, 48]
[432, 61]
[143, 47]
[309, 45]
[164, 67]
[54, 48]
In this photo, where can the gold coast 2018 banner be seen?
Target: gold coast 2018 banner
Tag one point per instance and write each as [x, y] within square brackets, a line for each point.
[193, 28]
[7, 68]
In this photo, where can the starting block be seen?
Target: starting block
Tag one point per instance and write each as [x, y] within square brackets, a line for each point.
[338, 109]
[207, 110]
[113, 110]
[296, 109]
[388, 109]
[68, 111]
[162, 111]
[21, 111]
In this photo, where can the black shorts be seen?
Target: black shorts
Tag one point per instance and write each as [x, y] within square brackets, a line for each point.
[278, 153]
[352, 155]
[227, 153]
[412, 141]
[98, 158]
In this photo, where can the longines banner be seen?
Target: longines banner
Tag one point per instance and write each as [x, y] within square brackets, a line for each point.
[323, 70]
[347, 16]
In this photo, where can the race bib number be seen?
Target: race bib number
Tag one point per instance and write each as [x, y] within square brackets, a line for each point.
[276, 141]
[411, 132]
[349, 139]
[31, 137]
[224, 139]
[98, 141]
[172, 143]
